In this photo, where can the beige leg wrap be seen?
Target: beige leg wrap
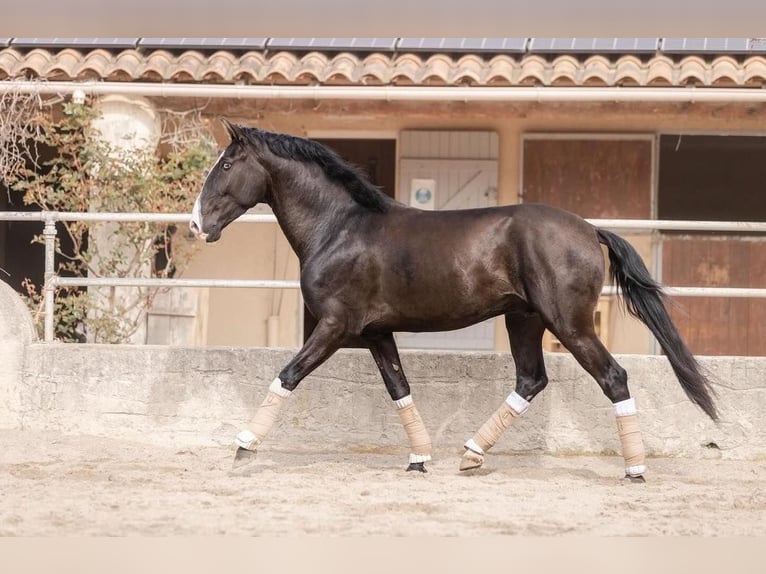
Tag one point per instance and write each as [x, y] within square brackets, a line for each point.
[266, 415]
[632, 445]
[420, 442]
[491, 431]
[264, 418]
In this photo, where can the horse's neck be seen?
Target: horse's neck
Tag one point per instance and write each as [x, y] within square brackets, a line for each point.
[309, 209]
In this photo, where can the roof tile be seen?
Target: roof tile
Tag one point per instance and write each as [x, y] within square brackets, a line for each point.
[382, 68]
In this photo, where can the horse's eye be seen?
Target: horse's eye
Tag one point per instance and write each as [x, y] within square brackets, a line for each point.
[226, 165]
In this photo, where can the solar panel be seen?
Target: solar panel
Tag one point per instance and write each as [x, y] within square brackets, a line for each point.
[702, 45]
[504, 44]
[551, 44]
[594, 45]
[74, 42]
[416, 44]
[357, 44]
[462, 44]
[496, 45]
[630, 44]
[203, 43]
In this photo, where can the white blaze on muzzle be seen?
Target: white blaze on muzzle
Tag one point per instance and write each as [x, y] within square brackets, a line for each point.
[196, 218]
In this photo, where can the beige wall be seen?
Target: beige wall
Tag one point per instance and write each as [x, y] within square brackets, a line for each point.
[238, 317]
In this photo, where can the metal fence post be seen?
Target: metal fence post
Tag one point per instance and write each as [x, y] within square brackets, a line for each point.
[49, 234]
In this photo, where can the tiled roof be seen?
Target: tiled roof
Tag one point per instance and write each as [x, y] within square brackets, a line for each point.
[379, 68]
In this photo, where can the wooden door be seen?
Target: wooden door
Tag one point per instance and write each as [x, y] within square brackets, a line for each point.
[595, 177]
[599, 178]
[716, 325]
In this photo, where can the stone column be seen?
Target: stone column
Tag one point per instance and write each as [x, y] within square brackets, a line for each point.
[128, 125]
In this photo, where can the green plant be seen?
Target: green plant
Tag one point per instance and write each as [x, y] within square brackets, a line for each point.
[85, 174]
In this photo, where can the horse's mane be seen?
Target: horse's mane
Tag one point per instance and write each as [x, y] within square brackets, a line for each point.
[350, 177]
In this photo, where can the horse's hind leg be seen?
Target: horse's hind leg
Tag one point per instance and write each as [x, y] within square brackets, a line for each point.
[526, 334]
[579, 337]
[383, 349]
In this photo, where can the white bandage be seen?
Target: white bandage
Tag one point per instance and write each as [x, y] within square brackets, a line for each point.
[470, 444]
[419, 457]
[276, 388]
[246, 439]
[625, 408]
[518, 403]
[403, 402]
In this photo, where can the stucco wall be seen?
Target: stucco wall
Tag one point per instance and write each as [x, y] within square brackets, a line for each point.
[239, 316]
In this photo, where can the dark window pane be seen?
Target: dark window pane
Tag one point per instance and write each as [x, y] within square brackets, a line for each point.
[719, 178]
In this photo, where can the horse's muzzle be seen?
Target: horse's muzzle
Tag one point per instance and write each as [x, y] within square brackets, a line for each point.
[197, 231]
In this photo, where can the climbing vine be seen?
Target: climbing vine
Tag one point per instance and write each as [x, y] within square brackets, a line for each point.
[79, 173]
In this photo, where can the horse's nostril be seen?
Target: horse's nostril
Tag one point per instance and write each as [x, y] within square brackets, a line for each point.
[193, 226]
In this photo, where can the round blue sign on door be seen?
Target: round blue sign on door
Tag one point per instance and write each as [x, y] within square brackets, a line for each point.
[423, 195]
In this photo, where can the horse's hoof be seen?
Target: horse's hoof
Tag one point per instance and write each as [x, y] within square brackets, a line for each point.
[639, 478]
[471, 460]
[243, 458]
[418, 466]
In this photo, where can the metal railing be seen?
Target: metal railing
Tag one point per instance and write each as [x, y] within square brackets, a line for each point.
[52, 281]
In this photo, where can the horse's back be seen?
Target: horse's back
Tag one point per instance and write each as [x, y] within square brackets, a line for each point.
[518, 235]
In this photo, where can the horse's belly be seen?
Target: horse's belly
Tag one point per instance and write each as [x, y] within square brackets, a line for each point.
[440, 313]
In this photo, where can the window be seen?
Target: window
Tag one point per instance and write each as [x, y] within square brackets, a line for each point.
[721, 178]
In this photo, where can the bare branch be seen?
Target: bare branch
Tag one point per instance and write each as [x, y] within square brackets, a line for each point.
[181, 129]
[22, 119]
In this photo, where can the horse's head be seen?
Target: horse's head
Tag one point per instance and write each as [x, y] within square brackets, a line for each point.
[236, 182]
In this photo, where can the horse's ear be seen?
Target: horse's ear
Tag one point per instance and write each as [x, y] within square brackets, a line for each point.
[234, 131]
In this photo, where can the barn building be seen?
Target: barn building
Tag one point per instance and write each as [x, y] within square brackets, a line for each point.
[618, 128]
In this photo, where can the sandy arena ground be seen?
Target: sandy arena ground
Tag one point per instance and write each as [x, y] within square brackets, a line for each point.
[54, 485]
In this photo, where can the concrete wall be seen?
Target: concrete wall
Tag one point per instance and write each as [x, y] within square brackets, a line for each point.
[181, 396]
[17, 331]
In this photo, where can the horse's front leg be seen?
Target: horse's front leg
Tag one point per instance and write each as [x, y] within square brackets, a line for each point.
[383, 349]
[324, 340]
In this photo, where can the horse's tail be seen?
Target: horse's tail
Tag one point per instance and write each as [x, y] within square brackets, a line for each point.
[643, 298]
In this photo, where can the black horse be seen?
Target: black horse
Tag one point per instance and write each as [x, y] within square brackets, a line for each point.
[370, 266]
